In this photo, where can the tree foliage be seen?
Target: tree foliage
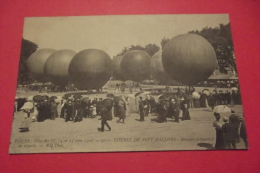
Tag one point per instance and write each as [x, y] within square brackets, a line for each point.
[221, 40]
[164, 41]
[151, 49]
[27, 49]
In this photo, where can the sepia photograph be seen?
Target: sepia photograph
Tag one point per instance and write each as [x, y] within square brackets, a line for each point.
[121, 83]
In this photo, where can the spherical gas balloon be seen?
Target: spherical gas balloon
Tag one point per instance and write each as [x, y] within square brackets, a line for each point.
[36, 63]
[57, 66]
[117, 72]
[189, 58]
[136, 65]
[90, 69]
[158, 71]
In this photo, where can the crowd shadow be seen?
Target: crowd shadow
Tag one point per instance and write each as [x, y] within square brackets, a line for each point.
[206, 145]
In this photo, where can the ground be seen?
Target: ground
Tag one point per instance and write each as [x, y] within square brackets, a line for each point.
[60, 136]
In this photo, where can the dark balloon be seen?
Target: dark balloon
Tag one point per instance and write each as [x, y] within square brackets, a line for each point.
[36, 63]
[189, 58]
[117, 71]
[158, 71]
[90, 69]
[57, 67]
[136, 65]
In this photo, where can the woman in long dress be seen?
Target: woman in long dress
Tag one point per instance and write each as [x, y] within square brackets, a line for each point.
[27, 109]
[220, 141]
[127, 106]
[122, 110]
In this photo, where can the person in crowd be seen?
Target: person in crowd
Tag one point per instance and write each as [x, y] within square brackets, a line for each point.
[234, 120]
[172, 110]
[117, 88]
[152, 104]
[233, 98]
[221, 97]
[44, 111]
[229, 134]
[63, 102]
[116, 108]
[203, 98]
[227, 97]
[78, 111]
[146, 106]
[190, 101]
[185, 110]
[161, 109]
[220, 141]
[94, 101]
[27, 109]
[141, 108]
[70, 109]
[104, 114]
[98, 105]
[212, 101]
[54, 110]
[121, 110]
[243, 134]
[127, 106]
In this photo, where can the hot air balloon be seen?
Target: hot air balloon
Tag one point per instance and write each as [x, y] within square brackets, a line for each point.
[117, 72]
[189, 59]
[36, 63]
[158, 71]
[90, 69]
[57, 67]
[136, 65]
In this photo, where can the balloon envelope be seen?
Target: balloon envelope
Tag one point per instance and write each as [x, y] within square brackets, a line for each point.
[90, 69]
[136, 65]
[36, 63]
[189, 58]
[158, 71]
[57, 66]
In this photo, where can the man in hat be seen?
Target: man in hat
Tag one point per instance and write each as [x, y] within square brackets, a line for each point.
[229, 134]
[234, 120]
[104, 114]
[69, 108]
[141, 108]
[78, 111]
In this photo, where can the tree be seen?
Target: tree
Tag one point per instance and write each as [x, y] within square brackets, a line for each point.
[221, 40]
[164, 41]
[27, 49]
[151, 49]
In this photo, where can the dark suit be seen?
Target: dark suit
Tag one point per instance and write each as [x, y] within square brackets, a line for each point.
[229, 135]
[234, 120]
[141, 110]
[104, 114]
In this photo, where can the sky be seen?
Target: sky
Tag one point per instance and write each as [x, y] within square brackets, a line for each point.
[112, 33]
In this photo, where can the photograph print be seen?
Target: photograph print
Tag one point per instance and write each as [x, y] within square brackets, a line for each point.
[127, 83]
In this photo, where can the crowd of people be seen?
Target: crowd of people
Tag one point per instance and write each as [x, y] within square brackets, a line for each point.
[229, 132]
[170, 105]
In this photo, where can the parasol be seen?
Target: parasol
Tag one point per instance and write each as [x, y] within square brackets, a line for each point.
[222, 109]
[195, 95]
